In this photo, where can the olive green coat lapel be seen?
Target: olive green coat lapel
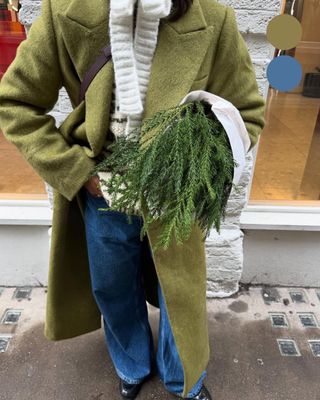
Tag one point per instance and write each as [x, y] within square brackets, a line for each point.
[173, 71]
[84, 38]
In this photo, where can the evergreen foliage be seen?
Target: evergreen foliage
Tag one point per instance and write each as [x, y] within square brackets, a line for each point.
[180, 164]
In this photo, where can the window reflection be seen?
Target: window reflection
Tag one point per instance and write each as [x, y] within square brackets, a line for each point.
[287, 167]
[18, 179]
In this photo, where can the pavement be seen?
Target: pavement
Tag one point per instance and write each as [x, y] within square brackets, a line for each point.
[264, 341]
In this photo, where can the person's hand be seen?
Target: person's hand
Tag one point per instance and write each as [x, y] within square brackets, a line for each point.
[93, 186]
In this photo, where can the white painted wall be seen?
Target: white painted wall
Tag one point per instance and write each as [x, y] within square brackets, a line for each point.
[288, 258]
[24, 255]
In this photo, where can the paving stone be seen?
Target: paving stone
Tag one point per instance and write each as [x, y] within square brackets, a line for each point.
[270, 295]
[297, 296]
[315, 347]
[4, 342]
[279, 320]
[22, 293]
[288, 347]
[11, 316]
[308, 320]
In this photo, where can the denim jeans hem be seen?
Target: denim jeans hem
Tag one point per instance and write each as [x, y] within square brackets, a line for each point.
[196, 389]
[128, 380]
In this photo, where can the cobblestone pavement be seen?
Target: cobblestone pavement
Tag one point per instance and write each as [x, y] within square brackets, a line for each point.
[265, 345]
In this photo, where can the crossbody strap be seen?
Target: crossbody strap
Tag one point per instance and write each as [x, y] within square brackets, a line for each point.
[100, 61]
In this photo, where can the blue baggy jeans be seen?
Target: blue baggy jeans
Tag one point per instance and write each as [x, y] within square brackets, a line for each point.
[114, 251]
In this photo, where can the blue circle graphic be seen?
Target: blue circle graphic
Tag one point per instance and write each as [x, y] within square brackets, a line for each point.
[284, 73]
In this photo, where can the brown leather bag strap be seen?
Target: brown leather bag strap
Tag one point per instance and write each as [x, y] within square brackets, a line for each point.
[100, 61]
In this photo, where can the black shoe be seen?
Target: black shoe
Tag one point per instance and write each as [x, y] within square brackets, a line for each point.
[202, 395]
[129, 390]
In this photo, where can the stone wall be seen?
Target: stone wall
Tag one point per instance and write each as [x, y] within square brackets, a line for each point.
[225, 250]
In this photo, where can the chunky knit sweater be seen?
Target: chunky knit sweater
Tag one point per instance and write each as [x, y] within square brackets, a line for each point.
[117, 125]
[133, 49]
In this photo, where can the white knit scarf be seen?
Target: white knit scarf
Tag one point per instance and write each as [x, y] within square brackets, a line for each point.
[132, 57]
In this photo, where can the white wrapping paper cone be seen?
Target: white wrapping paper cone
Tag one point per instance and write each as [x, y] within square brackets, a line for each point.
[231, 120]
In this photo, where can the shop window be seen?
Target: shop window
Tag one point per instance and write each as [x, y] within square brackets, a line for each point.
[11, 33]
[18, 179]
[287, 165]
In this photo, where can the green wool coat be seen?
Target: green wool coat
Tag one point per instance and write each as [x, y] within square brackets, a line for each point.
[202, 50]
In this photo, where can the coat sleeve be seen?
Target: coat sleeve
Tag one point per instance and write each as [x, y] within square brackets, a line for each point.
[28, 90]
[233, 77]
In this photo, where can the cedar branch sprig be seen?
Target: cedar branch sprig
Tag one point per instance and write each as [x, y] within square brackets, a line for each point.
[180, 164]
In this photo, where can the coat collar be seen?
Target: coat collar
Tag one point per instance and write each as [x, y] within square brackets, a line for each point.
[181, 48]
[92, 18]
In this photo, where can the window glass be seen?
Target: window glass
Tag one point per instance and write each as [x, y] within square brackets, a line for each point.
[18, 179]
[287, 166]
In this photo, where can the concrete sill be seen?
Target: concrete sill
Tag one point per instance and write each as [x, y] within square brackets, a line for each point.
[25, 212]
[263, 217]
[289, 218]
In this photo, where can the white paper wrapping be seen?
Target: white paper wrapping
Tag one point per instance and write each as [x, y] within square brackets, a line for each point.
[231, 120]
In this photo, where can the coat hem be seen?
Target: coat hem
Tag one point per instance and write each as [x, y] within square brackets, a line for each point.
[187, 386]
[55, 336]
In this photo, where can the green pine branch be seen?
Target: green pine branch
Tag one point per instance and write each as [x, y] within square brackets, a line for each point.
[180, 164]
